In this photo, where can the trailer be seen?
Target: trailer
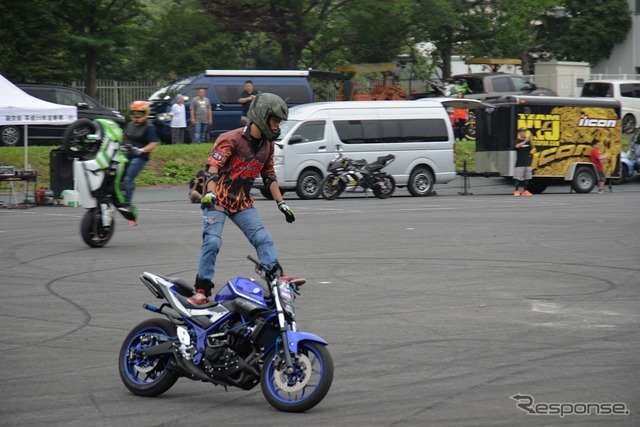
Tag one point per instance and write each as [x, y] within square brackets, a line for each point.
[563, 130]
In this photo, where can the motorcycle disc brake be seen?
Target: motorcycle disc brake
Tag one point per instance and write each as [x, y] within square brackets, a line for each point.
[281, 378]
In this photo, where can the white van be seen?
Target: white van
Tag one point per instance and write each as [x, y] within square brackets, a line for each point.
[418, 133]
[625, 91]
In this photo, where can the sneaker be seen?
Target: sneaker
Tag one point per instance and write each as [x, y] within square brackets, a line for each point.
[526, 193]
[600, 191]
[198, 298]
[516, 193]
[298, 281]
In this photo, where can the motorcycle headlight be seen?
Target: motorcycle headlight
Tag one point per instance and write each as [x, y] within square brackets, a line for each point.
[287, 297]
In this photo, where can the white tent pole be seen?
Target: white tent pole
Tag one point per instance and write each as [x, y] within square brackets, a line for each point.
[26, 146]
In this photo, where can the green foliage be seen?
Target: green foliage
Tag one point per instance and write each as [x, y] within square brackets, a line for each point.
[588, 31]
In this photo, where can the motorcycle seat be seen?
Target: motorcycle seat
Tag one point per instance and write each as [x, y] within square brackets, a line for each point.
[358, 163]
[183, 287]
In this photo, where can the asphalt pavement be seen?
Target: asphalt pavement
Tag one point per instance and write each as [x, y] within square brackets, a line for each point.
[450, 310]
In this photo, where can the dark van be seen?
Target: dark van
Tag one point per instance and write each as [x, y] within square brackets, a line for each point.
[223, 90]
[87, 108]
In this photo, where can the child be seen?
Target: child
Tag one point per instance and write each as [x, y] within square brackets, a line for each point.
[597, 158]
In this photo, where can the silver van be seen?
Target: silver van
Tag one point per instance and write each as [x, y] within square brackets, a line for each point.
[418, 133]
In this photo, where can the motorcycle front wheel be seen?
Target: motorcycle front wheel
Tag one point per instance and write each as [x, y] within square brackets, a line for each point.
[332, 187]
[141, 375]
[306, 386]
[93, 232]
[385, 186]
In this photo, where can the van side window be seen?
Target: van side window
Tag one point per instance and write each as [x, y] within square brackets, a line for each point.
[630, 90]
[312, 131]
[391, 131]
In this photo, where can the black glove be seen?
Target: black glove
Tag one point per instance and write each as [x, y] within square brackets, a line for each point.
[286, 210]
[208, 201]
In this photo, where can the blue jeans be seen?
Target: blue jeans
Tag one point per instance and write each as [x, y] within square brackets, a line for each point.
[249, 222]
[135, 166]
[200, 132]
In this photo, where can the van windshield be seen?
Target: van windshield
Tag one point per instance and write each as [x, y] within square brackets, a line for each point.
[286, 126]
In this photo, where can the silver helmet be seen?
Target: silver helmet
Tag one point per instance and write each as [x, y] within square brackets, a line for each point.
[262, 108]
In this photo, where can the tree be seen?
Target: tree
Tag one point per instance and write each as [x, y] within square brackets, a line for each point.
[313, 32]
[99, 32]
[32, 43]
[585, 30]
[182, 40]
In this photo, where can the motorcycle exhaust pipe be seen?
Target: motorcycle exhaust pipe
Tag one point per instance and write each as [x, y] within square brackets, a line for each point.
[159, 350]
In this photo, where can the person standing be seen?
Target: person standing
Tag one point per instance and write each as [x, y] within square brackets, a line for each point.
[178, 120]
[143, 137]
[248, 94]
[237, 158]
[522, 172]
[459, 118]
[201, 116]
[597, 158]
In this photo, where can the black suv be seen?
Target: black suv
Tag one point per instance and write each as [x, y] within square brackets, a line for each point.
[87, 108]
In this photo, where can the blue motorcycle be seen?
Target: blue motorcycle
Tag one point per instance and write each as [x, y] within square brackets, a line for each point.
[246, 335]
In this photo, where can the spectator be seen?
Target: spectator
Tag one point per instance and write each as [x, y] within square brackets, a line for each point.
[196, 185]
[247, 95]
[597, 158]
[522, 172]
[459, 119]
[178, 120]
[201, 116]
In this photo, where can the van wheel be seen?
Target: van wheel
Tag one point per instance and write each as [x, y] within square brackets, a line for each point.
[309, 185]
[10, 136]
[628, 123]
[584, 180]
[421, 182]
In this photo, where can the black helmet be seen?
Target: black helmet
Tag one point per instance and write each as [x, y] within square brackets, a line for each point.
[262, 108]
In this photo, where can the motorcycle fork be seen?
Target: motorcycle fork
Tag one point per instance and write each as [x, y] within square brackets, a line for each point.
[283, 325]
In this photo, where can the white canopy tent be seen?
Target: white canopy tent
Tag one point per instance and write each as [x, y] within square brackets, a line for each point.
[19, 108]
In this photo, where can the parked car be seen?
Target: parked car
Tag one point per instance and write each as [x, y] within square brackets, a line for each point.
[625, 91]
[487, 86]
[87, 108]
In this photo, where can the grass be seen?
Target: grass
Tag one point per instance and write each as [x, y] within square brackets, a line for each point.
[176, 164]
[169, 165]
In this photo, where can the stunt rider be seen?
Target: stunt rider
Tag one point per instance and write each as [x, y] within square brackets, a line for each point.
[235, 161]
[143, 137]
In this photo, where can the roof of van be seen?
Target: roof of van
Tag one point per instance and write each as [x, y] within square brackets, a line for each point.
[258, 73]
[360, 105]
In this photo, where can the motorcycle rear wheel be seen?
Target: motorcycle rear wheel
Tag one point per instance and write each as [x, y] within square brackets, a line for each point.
[385, 187]
[92, 231]
[74, 142]
[306, 387]
[332, 187]
[144, 376]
